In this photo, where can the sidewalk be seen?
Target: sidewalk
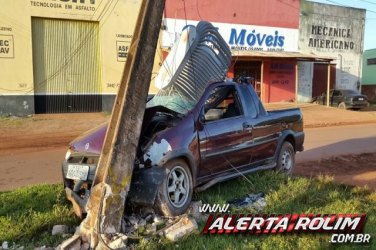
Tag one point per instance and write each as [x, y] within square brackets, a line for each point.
[315, 115]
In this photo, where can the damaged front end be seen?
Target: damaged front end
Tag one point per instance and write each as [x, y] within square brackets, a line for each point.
[82, 158]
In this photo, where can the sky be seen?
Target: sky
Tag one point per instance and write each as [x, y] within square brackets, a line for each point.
[370, 6]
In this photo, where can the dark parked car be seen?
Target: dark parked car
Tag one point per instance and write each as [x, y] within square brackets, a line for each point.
[344, 99]
[185, 147]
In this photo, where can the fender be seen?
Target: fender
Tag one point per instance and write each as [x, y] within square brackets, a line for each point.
[186, 155]
[297, 138]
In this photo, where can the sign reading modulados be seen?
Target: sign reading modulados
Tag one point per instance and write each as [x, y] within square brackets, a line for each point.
[240, 37]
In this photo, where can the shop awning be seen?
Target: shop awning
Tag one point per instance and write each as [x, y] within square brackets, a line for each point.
[282, 54]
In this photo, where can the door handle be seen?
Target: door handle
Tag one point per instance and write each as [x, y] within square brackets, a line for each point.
[246, 125]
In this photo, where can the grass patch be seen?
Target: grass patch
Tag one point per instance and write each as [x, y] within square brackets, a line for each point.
[28, 214]
[284, 195]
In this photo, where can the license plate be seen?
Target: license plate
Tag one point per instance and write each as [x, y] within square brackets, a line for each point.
[361, 99]
[78, 172]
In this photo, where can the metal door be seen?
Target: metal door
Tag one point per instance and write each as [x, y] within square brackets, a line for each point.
[66, 66]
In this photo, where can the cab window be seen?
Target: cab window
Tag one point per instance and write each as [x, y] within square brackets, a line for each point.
[222, 103]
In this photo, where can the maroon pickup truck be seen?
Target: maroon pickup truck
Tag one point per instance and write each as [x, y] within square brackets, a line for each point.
[187, 147]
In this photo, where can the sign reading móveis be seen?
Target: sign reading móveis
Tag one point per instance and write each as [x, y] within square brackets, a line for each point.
[241, 37]
[244, 37]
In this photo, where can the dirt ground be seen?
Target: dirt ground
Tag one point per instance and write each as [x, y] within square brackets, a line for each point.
[44, 131]
[350, 169]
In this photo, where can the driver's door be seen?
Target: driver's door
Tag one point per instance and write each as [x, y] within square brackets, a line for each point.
[222, 137]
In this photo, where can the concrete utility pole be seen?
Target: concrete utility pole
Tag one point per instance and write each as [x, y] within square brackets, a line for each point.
[114, 172]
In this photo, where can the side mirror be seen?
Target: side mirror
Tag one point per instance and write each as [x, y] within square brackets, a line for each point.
[213, 114]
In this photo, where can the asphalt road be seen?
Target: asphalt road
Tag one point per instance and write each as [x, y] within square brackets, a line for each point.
[42, 165]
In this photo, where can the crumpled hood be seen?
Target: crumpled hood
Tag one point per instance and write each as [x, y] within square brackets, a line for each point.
[91, 142]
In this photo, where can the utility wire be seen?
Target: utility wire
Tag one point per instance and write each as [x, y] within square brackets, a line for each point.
[368, 2]
[343, 5]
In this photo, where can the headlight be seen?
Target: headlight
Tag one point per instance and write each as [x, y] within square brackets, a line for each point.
[68, 154]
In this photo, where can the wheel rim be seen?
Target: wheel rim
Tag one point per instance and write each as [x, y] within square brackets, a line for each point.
[287, 161]
[178, 186]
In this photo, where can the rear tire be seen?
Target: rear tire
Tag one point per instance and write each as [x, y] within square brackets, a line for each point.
[286, 159]
[175, 192]
[342, 105]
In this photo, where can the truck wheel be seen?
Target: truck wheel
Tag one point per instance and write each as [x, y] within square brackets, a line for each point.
[286, 158]
[175, 192]
[342, 105]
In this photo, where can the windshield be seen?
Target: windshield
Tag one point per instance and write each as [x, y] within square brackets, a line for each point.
[174, 102]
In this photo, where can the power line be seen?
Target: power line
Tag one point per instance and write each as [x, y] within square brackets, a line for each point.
[368, 2]
[330, 1]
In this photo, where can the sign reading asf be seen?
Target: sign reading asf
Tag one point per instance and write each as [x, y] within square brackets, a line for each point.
[6, 46]
[254, 39]
[122, 50]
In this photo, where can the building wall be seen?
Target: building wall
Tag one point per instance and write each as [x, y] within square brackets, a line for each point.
[369, 75]
[116, 24]
[336, 32]
[369, 70]
[16, 81]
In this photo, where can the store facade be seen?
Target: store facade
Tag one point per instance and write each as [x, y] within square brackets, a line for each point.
[59, 56]
[335, 32]
[262, 34]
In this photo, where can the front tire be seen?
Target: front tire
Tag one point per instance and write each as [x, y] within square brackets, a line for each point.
[286, 158]
[175, 192]
[342, 105]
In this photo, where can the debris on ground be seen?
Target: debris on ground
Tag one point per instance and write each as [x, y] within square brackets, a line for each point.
[250, 201]
[5, 246]
[118, 242]
[45, 248]
[149, 224]
[72, 243]
[194, 211]
[144, 224]
[60, 229]
[183, 227]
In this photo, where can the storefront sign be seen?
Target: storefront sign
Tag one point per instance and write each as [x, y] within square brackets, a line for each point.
[336, 38]
[241, 37]
[6, 46]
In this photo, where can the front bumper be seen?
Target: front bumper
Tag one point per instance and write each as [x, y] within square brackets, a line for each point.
[143, 190]
[358, 105]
